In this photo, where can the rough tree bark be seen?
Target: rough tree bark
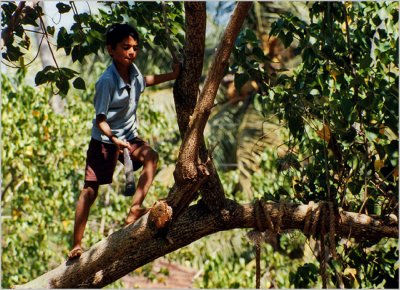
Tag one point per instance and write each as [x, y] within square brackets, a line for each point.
[186, 91]
[191, 172]
[141, 243]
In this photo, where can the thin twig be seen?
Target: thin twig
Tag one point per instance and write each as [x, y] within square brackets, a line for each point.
[78, 21]
[48, 42]
[33, 31]
[9, 65]
[31, 61]
[167, 33]
[326, 161]
[90, 10]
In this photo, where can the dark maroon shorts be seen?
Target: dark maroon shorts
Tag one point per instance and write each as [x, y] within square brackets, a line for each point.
[101, 160]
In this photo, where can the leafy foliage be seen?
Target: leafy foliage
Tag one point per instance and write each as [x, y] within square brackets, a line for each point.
[374, 266]
[339, 102]
[87, 35]
[305, 276]
[339, 106]
[43, 170]
[340, 109]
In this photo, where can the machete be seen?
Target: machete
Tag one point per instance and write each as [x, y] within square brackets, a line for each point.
[130, 186]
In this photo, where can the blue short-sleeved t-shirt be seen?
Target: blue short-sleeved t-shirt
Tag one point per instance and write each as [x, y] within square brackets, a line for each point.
[118, 102]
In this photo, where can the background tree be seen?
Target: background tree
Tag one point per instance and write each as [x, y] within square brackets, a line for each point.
[340, 148]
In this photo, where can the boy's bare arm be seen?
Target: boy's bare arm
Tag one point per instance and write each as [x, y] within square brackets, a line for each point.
[106, 130]
[152, 80]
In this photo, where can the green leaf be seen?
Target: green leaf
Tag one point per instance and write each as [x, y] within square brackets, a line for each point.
[68, 73]
[287, 39]
[377, 20]
[9, 8]
[337, 265]
[30, 17]
[296, 126]
[41, 78]
[48, 74]
[76, 53]
[63, 8]
[346, 107]
[49, 68]
[349, 136]
[96, 26]
[64, 39]
[79, 84]
[50, 30]
[63, 85]
[94, 37]
[314, 92]
[258, 52]
[308, 56]
[240, 80]
[372, 132]
[13, 53]
[355, 187]
[392, 150]
[250, 35]
[277, 26]
[258, 102]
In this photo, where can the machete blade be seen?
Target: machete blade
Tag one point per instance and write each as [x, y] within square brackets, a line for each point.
[130, 186]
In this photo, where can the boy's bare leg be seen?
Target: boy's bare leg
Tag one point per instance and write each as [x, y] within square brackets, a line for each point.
[86, 198]
[149, 158]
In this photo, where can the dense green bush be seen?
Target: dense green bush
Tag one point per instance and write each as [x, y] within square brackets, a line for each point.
[43, 160]
[42, 170]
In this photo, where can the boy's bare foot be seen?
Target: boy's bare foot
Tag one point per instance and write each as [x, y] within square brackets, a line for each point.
[134, 214]
[76, 252]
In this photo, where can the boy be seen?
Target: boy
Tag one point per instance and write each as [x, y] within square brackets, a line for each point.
[115, 127]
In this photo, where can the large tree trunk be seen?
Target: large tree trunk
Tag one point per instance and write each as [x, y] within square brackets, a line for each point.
[140, 243]
[194, 168]
[186, 91]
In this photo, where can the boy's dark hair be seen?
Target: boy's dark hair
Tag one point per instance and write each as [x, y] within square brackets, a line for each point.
[117, 32]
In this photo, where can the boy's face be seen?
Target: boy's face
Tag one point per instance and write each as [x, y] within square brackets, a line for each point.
[125, 52]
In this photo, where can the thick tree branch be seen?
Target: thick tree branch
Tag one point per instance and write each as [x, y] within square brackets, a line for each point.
[212, 191]
[180, 197]
[140, 243]
[189, 153]
[186, 89]
[191, 167]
